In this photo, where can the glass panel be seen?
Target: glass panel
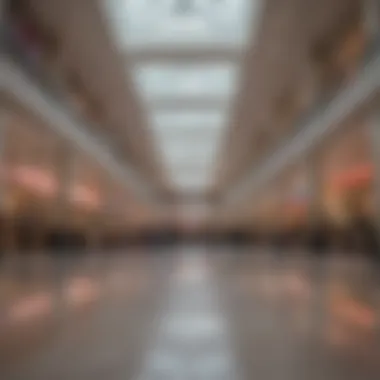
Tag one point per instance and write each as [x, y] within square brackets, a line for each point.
[184, 23]
[193, 143]
[188, 119]
[186, 81]
[198, 177]
[191, 182]
[186, 155]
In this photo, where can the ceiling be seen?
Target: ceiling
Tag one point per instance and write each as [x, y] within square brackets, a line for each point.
[195, 93]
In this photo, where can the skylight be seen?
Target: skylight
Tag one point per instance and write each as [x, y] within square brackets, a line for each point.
[187, 102]
[142, 24]
[163, 81]
[188, 119]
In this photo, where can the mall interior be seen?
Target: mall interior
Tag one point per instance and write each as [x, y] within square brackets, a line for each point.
[190, 189]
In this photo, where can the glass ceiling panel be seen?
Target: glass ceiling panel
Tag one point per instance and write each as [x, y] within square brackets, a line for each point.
[202, 140]
[184, 23]
[198, 176]
[186, 81]
[191, 182]
[186, 155]
[188, 119]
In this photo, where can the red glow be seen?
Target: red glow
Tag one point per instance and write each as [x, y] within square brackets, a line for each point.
[356, 176]
[354, 312]
[30, 307]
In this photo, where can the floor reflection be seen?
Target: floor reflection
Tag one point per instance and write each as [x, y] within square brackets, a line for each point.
[191, 314]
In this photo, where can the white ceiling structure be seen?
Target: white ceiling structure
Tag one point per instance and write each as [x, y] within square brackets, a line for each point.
[187, 102]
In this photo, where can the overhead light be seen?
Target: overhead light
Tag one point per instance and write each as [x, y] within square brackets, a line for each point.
[163, 81]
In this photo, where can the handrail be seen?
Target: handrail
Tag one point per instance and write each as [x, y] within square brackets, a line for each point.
[321, 122]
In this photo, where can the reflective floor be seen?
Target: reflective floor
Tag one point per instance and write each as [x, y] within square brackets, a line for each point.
[190, 313]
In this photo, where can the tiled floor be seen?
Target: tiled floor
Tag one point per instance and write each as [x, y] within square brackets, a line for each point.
[192, 314]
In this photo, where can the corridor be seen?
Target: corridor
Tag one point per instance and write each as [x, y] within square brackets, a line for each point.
[199, 314]
[189, 190]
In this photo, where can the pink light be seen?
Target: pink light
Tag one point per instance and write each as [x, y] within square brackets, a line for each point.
[30, 307]
[35, 179]
[355, 176]
[85, 196]
[81, 290]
